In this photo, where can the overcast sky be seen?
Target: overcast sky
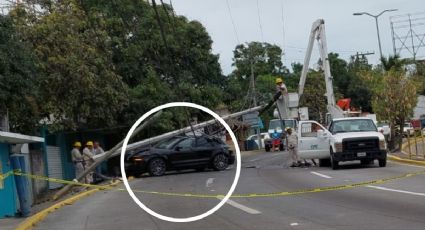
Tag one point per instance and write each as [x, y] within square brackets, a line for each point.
[346, 33]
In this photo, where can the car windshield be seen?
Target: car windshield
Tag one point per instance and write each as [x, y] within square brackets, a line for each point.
[358, 125]
[278, 124]
[167, 144]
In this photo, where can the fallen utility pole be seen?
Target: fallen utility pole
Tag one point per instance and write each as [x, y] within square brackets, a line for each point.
[103, 157]
[182, 131]
[116, 150]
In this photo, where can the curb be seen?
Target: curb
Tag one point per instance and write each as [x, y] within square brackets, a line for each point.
[406, 161]
[31, 221]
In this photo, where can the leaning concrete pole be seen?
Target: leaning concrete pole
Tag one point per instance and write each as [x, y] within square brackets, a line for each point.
[117, 149]
[155, 139]
[104, 157]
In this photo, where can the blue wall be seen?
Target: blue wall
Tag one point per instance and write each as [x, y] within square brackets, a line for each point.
[8, 192]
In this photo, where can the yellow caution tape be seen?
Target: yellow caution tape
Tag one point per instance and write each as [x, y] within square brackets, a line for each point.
[6, 175]
[251, 195]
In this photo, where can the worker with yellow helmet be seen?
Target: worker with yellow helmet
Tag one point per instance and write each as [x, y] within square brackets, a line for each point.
[280, 86]
[77, 158]
[88, 160]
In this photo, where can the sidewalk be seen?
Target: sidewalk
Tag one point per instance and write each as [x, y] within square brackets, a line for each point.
[11, 223]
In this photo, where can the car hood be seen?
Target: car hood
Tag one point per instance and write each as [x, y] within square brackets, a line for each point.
[340, 136]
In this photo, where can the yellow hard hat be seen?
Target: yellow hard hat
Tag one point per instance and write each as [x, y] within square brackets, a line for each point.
[279, 80]
[77, 144]
[89, 143]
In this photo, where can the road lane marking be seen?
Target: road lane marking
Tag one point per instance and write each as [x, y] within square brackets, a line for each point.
[321, 175]
[294, 224]
[396, 190]
[242, 207]
[209, 182]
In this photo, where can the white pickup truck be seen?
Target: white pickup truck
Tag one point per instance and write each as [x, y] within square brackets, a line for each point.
[348, 139]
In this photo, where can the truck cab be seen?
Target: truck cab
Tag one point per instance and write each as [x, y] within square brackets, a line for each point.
[347, 139]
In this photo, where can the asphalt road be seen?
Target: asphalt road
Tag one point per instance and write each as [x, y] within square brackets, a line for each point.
[397, 204]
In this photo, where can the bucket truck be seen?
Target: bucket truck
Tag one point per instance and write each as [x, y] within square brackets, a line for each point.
[348, 138]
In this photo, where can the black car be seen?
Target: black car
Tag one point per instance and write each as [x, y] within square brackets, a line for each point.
[181, 152]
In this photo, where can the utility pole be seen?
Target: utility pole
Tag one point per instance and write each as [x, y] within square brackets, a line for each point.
[253, 98]
[377, 26]
[252, 86]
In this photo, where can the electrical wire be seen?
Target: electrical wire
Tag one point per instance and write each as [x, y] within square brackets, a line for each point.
[283, 31]
[259, 21]
[233, 22]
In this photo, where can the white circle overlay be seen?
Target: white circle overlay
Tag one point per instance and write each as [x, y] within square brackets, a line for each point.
[225, 198]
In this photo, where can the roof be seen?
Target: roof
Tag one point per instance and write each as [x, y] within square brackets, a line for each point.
[16, 138]
[351, 118]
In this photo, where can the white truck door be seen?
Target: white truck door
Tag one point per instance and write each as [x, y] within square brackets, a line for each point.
[313, 140]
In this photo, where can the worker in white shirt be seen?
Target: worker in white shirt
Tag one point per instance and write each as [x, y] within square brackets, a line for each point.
[88, 160]
[77, 158]
[292, 142]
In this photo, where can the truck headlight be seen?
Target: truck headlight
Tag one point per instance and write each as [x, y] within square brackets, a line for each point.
[382, 145]
[338, 147]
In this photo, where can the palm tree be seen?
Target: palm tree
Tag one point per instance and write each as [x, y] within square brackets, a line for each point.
[393, 62]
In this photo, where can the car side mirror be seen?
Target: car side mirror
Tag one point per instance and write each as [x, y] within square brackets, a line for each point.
[178, 148]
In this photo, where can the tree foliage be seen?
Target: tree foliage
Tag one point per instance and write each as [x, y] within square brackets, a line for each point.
[17, 78]
[314, 96]
[394, 98]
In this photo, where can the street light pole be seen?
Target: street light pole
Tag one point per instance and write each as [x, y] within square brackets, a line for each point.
[379, 38]
[377, 26]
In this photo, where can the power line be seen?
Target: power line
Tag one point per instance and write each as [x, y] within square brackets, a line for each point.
[259, 20]
[233, 22]
[283, 31]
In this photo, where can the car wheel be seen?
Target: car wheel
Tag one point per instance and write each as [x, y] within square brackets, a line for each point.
[157, 167]
[267, 148]
[334, 163]
[220, 162]
[382, 162]
[324, 162]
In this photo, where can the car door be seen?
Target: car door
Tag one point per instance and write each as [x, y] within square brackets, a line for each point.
[313, 140]
[203, 148]
[182, 153]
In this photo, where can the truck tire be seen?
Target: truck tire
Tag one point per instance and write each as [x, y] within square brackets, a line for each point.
[382, 162]
[334, 163]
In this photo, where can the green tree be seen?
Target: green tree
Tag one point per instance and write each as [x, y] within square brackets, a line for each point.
[184, 64]
[392, 62]
[340, 74]
[17, 77]
[77, 82]
[393, 99]
[314, 96]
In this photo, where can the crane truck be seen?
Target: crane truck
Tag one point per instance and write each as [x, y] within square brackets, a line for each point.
[348, 138]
